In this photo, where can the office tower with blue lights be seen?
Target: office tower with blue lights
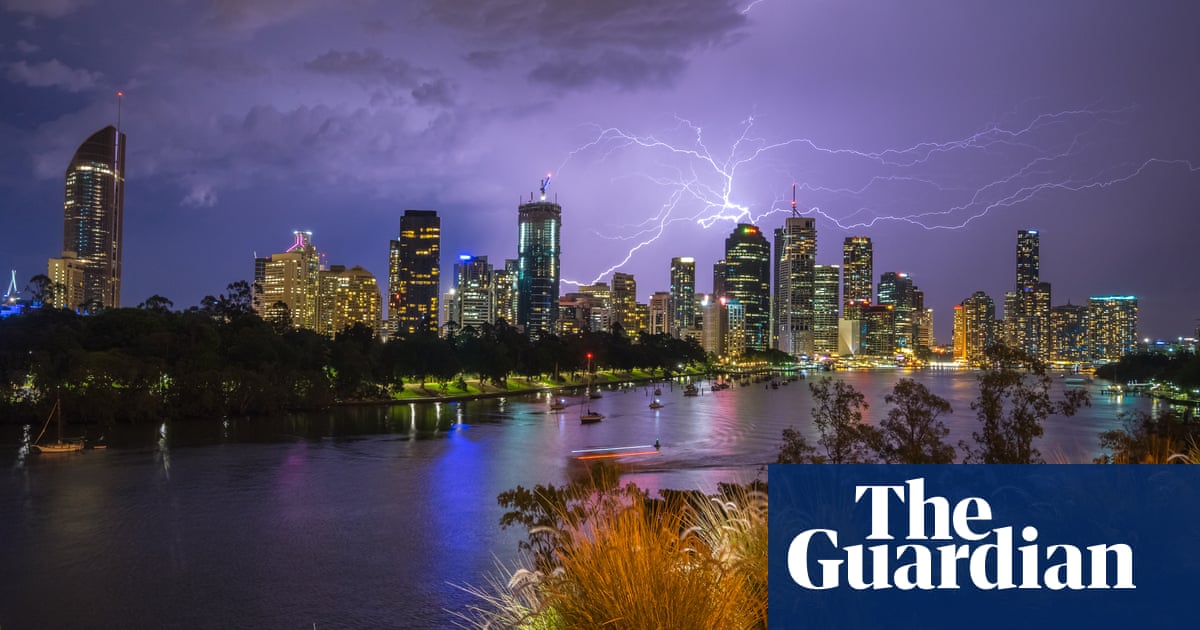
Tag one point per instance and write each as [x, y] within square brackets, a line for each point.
[474, 294]
[538, 271]
[795, 262]
[683, 294]
[93, 211]
[414, 274]
[747, 280]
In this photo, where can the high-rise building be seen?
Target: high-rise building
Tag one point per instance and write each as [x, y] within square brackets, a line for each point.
[505, 283]
[925, 337]
[795, 261]
[979, 326]
[713, 324]
[1112, 326]
[748, 281]
[473, 293]
[960, 333]
[735, 328]
[414, 274]
[538, 272]
[827, 282]
[1068, 340]
[576, 314]
[1027, 319]
[898, 290]
[600, 299]
[660, 313]
[858, 269]
[93, 212]
[347, 297]
[1028, 263]
[623, 306]
[290, 284]
[67, 282]
[683, 293]
[878, 330]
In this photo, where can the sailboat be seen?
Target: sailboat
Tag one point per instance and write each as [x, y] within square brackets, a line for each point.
[590, 417]
[60, 445]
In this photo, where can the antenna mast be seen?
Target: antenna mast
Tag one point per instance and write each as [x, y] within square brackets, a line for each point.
[119, 95]
[544, 186]
[795, 213]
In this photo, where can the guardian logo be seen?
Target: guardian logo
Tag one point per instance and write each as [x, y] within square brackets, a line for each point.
[866, 547]
[985, 557]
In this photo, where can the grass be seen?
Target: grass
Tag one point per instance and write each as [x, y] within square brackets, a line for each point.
[635, 565]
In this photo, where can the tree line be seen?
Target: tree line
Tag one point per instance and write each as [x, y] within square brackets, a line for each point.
[220, 358]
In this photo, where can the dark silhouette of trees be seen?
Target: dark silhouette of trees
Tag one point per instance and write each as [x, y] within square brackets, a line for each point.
[1014, 400]
[912, 433]
[838, 418]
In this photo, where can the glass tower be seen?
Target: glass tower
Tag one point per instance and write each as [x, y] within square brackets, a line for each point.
[748, 282]
[538, 226]
[858, 269]
[683, 294]
[92, 216]
[795, 260]
[414, 274]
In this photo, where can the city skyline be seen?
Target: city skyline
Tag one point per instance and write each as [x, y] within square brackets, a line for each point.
[241, 128]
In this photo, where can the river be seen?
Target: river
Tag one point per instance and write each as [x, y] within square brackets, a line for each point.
[369, 516]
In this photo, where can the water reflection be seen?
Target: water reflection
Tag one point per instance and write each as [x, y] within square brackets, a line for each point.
[162, 454]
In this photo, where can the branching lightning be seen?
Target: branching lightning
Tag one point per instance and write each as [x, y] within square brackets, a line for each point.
[934, 185]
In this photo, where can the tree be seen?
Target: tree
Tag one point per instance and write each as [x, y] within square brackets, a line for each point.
[912, 433]
[1014, 400]
[157, 303]
[838, 417]
[796, 449]
[1147, 439]
[40, 289]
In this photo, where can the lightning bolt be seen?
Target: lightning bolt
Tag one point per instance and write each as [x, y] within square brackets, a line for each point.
[938, 185]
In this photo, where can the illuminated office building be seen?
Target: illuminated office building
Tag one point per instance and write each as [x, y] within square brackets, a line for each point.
[858, 270]
[538, 272]
[473, 293]
[67, 282]
[683, 293]
[1068, 339]
[1112, 326]
[347, 297]
[878, 330]
[414, 274]
[93, 211]
[600, 298]
[748, 282]
[826, 285]
[660, 313]
[623, 303]
[504, 282]
[795, 262]
[287, 284]
[898, 290]
[1028, 258]
[979, 326]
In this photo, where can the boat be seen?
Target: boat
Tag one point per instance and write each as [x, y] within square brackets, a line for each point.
[594, 394]
[691, 390]
[590, 417]
[656, 404]
[60, 445]
[658, 391]
[1076, 380]
[558, 404]
[774, 384]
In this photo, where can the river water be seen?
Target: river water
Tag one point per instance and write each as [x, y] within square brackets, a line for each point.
[369, 516]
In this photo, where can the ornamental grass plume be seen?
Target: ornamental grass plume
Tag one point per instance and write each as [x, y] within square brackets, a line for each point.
[642, 564]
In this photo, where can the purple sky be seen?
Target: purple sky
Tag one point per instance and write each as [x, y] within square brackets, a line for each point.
[247, 119]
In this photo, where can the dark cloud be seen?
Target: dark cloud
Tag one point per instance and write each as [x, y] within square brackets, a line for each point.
[485, 59]
[373, 69]
[51, 73]
[44, 8]
[574, 43]
[25, 47]
[249, 15]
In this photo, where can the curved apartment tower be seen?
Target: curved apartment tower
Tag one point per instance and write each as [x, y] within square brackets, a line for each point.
[92, 218]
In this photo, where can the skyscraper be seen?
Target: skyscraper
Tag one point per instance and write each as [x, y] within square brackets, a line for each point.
[624, 302]
[748, 281]
[290, 284]
[347, 297]
[473, 292]
[898, 290]
[538, 225]
[795, 260]
[683, 293]
[979, 326]
[505, 285]
[827, 281]
[858, 270]
[414, 274]
[93, 216]
[1028, 264]
[1068, 340]
[1112, 326]
[660, 313]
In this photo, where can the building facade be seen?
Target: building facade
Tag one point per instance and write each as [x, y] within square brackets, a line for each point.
[979, 327]
[795, 285]
[347, 297]
[474, 297]
[858, 269]
[538, 272]
[683, 293]
[93, 218]
[623, 304]
[826, 301]
[414, 274]
[1112, 326]
[748, 282]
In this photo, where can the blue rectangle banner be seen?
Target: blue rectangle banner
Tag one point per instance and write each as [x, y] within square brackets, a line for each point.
[981, 547]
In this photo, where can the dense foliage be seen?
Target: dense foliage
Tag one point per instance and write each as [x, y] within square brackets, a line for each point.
[220, 358]
[1182, 370]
